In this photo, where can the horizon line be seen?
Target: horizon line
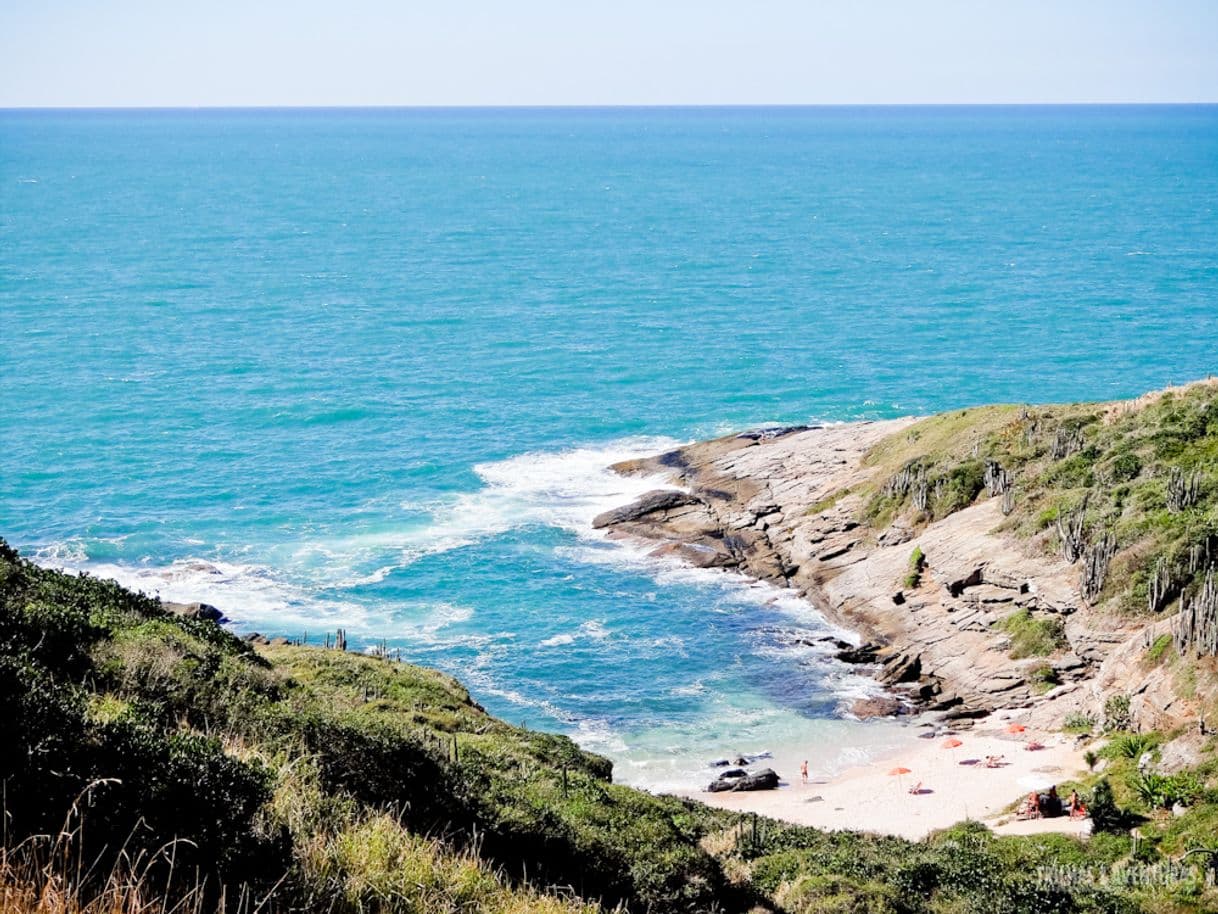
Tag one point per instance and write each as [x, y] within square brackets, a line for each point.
[611, 106]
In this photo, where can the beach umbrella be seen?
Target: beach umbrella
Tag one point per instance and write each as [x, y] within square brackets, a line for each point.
[951, 744]
[1036, 782]
[1016, 728]
[899, 773]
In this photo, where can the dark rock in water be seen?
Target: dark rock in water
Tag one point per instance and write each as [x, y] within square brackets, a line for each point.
[720, 763]
[660, 500]
[880, 706]
[864, 653]
[699, 554]
[740, 760]
[733, 773]
[203, 611]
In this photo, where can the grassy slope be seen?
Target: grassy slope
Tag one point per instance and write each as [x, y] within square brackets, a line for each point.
[1120, 461]
[325, 779]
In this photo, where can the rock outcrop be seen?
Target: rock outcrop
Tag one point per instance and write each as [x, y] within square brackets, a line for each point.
[784, 506]
[203, 611]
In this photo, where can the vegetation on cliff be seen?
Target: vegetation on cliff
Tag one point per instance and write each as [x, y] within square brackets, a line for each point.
[1126, 491]
[165, 761]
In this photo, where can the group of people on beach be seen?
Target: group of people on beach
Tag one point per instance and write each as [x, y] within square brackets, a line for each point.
[1049, 805]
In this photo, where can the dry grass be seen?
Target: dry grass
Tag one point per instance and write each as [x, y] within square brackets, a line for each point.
[347, 860]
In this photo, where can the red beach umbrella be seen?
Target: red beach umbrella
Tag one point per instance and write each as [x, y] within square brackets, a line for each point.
[899, 771]
[951, 743]
[1016, 728]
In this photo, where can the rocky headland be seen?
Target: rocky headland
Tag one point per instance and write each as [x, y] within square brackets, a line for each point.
[956, 547]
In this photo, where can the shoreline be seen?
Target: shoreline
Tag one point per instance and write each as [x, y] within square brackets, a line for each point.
[779, 508]
[956, 784]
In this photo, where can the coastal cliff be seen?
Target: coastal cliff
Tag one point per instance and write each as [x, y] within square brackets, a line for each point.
[997, 557]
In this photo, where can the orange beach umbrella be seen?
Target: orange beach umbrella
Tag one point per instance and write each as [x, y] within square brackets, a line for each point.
[1016, 728]
[951, 743]
[899, 774]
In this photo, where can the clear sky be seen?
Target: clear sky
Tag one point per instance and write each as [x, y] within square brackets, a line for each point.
[556, 52]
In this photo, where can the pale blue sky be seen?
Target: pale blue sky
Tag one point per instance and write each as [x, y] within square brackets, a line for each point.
[476, 52]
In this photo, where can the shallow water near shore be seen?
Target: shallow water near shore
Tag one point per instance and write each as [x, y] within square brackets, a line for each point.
[367, 368]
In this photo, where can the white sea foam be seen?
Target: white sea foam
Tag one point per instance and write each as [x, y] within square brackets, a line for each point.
[591, 630]
[564, 489]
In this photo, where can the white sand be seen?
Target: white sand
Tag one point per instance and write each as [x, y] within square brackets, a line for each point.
[870, 799]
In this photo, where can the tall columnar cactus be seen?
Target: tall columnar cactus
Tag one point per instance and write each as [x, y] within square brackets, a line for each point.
[1183, 489]
[1070, 531]
[1066, 441]
[905, 480]
[997, 480]
[1161, 586]
[1008, 500]
[1196, 627]
[1095, 566]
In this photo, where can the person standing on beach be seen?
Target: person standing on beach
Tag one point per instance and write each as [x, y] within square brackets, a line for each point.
[803, 771]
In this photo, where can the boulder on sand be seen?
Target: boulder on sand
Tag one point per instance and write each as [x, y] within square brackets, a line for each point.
[765, 779]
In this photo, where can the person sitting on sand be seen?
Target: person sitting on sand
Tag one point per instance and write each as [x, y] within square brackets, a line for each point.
[1078, 809]
[916, 788]
[803, 771]
[1030, 809]
[1033, 745]
[995, 761]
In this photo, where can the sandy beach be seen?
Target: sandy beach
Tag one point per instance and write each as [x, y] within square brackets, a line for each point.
[955, 784]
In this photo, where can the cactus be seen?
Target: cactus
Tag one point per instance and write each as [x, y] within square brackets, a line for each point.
[1070, 531]
[997, 480]
[1196, 627]
[1095, 566]
[1066, 441]
[1183, 490]
[906, 480]
[1162, 585]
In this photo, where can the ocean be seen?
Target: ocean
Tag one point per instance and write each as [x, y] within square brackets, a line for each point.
[366, 368]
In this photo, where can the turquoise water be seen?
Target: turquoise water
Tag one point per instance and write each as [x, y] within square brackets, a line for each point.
[365, 368]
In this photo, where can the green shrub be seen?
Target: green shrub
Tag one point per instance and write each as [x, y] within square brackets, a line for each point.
[1044, 678]
[1158, 650]
[1162, 791]
[1078, 722]
[917, 562]
[1105, 815]
[1117, 715]
[959, 488]
[1124, 467]
[1129, 745]
[1032, 636]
